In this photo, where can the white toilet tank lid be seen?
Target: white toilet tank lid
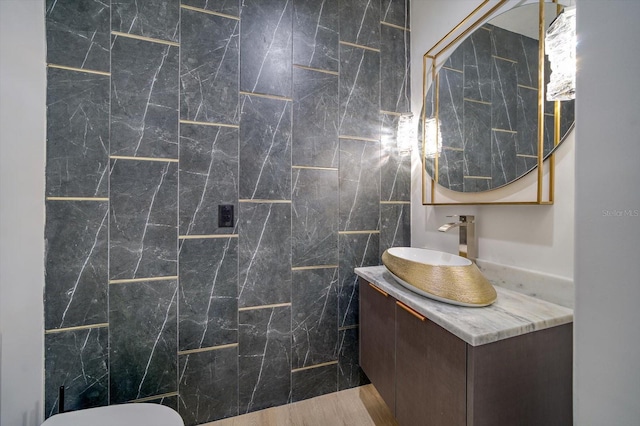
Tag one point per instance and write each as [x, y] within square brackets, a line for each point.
[135, 414]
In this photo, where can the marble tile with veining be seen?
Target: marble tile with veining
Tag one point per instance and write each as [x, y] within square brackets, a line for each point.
[77, 360]
[265, 53]
[503, 158]
[451, 108]
[314, 217]
[144, 99]
[476, 51]
[395, 173]
[359, 92]
[314, 382]
[360, 22]
[395, 12]
[314, 307]
[209, 60]
[77, 134]
[143, 339]
[315, 118]
[477, 139]
[356, 250]
[264, 358]
[359, 185]
[395, 93]
[350, 373]
[316, 34]
[78, 34]
[208, 385]
[208, 302]
[208, 177]
[143, 219]
[395, 226]
[76, 271]
[265, 148]
[264, 254]
[159, 19]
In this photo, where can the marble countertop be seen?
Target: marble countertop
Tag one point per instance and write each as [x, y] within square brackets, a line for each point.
[512, 314]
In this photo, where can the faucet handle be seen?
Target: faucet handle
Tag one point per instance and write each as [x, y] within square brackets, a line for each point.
[464, 217]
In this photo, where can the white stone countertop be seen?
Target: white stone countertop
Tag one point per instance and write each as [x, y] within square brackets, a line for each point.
[512, 314]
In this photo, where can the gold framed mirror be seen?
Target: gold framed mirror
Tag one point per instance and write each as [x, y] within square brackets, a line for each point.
[485, 125]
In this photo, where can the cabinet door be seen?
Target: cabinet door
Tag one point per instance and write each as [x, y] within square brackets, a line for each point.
[430, 372]
[377, 340]
[524, 380]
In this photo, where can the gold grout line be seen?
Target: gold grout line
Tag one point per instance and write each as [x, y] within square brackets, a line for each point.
[209, 12]
[398, 114]
[151, 398]
[262, 95]
[143, 38]
[356, 138]
[388, 24]
[202, 123]
[84, 70]
[357, 232]
[303, 67]
[452, 148]
[162, 160]
[324, 364]
[522, 86]
[504, 59]
[310, 268]
[346, 43]
[526, 156]
[453, 69]
[262, 201]
[395, 202]
[348, 327]
[141, 280]
[476, 101]
[504, 131]
[79, 327]
[478, 177]
[315, 168]
[208, 349]
[203, 237]
[76, 199]
[253, 308]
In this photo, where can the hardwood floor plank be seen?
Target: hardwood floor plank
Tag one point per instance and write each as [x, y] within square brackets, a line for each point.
[360, 406]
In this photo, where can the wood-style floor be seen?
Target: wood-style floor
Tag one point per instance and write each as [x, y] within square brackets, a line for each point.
[360, 406]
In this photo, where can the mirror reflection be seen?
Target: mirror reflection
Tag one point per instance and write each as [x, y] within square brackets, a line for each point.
[480, 116]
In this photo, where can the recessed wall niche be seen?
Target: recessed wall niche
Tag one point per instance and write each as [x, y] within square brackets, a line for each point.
[158, 114]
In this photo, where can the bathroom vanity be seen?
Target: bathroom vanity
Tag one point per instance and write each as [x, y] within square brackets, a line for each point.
[509, 363]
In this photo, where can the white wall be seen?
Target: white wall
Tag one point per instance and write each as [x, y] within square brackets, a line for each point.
[537, 238]
[22, 160]
[607, 274]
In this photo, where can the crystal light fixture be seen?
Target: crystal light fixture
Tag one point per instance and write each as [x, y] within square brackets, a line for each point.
[433, 138]
[560, 42]
[406, 135]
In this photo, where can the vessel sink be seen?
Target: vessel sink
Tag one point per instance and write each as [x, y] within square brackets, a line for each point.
[439, 275]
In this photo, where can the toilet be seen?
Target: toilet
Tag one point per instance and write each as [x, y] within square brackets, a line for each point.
[135, 414]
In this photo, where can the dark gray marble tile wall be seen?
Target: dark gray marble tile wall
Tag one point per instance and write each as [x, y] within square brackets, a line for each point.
[157, 113]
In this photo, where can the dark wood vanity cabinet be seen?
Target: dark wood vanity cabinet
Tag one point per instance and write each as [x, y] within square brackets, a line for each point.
[377, 315]
[428, 376]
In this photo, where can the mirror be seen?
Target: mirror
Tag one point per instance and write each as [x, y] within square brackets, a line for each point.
[479, 121]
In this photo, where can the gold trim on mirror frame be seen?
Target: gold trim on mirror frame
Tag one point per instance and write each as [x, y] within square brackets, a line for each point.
[431, 71]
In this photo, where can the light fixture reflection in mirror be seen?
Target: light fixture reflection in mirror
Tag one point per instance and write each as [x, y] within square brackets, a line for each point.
[406, 135]
[560, 43]
[433, 138]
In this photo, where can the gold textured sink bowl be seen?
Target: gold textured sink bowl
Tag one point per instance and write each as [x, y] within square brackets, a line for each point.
[440, 276]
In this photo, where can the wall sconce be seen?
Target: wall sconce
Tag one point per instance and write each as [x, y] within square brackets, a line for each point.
[406, 134]
[560, 42]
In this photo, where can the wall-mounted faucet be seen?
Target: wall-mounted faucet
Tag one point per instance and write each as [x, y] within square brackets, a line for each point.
[468, 246]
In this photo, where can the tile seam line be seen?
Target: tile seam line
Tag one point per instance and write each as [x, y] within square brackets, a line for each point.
[143, 38]
[209, 12]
